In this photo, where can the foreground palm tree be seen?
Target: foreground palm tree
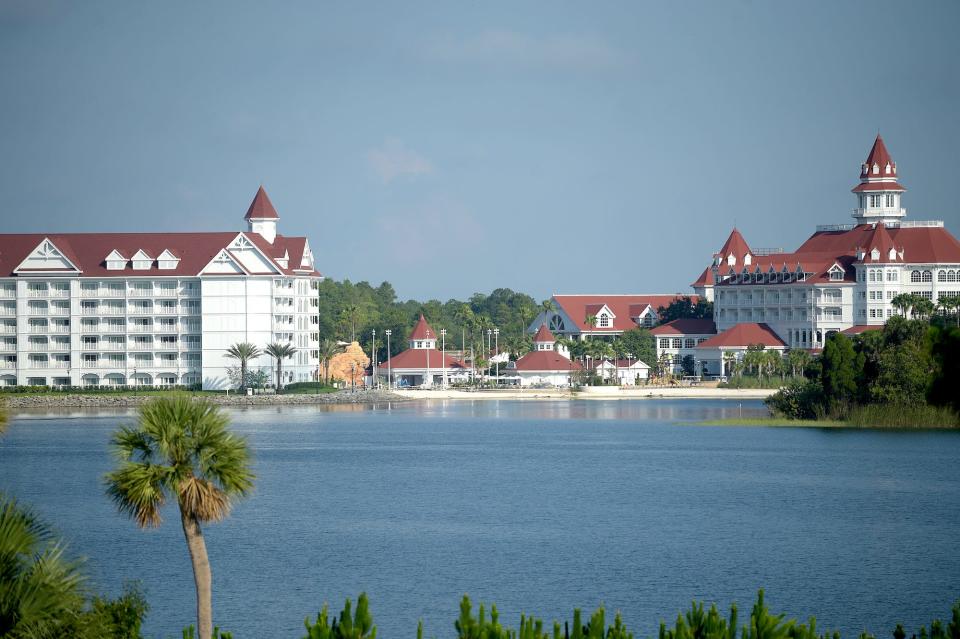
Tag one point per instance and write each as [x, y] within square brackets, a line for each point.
[181, 449]
[244, 352]
[40, 588]
[328, 349]
[280, 352]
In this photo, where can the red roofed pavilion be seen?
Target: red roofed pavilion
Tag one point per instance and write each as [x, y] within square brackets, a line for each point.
[422, 365]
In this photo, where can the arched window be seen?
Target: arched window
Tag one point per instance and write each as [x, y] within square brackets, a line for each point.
[915, 276]
[941, 276]
[927, 276]
[951, 276]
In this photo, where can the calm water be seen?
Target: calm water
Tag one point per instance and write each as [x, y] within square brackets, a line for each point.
[539, 507]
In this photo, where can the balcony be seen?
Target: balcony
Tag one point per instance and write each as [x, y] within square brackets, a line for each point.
[140, 328]
[165, 310]
[8, 293]
[37, 292]
[8, 347]
[8, 311]
[111, 310]
[59, 292]
[37, 363]
[7, 364]
[59, 310]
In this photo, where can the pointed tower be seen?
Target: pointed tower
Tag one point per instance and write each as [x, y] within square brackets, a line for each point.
[879, 248]
[878, 194]
[422, 336]
[734, 253]
[261, 217]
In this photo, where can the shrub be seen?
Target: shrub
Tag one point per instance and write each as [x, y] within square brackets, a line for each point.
[900, 416]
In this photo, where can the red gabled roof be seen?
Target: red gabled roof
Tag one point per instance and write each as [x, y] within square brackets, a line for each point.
[743, 335]
[544, 335]
[623, 306]
[422, 330]
[686, 327]
[879, 239]
[881, 157]
[88, 251]
[416, 359]
[736, 246]
[536, 361]
[924, 244]
[261, 208]
[705, 279]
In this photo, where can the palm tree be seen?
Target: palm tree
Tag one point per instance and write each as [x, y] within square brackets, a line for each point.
[351, 315]
[243, 351]
[4, 419]
[181, 449]
[951, 303]
[41, 588]
[923, 308]
[904, 303]
[328, 348]
[280, 352]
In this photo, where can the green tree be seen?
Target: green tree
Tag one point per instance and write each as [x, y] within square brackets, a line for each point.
[328, 348]
[685, 308]
[4, 418]
[640, 344]
[904, 303]
[280, 352]
[243, 352]
[797, 360]
[181, 449]
[840, 370]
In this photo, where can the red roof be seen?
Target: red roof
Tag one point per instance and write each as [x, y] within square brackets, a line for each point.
[422, 330]
[261, 208]
[736, 246]
[625, 307]
[877, 186]
[686, 327]
[88, 251]
[416, 359]
[705, 279]
[880, 240]
[860, 328]
[536, 361]
[924, 244]
[743, 335]
[544, 335]
[881, 157]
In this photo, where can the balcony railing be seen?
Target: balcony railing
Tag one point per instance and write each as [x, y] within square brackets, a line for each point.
[7, 364]
[8, 293]
[8, 311]
[140, 328]
[36, 292]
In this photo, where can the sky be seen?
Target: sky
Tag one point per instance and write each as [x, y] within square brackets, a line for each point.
[456, 147]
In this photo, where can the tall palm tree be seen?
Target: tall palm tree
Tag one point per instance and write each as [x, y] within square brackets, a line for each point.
[244, 352]
[280, 352]
[904, 303]
[4, 418]
[351, 315]
[40, 588]
[181, 449]
[328, 348]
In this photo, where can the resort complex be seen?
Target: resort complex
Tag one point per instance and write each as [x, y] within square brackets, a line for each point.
[155, 309]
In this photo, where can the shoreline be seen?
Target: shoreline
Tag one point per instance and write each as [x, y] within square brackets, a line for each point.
[16, 402]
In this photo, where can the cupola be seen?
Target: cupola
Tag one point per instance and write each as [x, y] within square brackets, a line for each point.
[261, 217]
[878, 194]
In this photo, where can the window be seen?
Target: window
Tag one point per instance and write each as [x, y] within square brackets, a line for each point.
[603, 321]
[915, 276]
[874, 200]
[951, 276]
[941, 276]
[836, 275]
[677, 342]
[689, 342]
[927, 276]
[889, 199]
[891, 276]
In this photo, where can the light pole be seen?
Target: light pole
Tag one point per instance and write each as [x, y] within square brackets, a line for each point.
[496, 338]
[489, 348]
[428, 375]
[443, 361]
[389, 372]
[373, 358]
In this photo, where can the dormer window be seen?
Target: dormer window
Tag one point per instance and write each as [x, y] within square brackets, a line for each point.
[167, 261]
[115, 261]
[603, 321]
[836, 274]
[142, 261]
[875, 255]
[876, 169]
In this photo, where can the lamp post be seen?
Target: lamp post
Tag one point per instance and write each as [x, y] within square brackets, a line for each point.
[373, 358]
[134, 379]
[496, 338]
[443, 361]
[489, 348]
[389, 372]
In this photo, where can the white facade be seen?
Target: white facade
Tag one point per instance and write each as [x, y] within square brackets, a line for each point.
[89, 316]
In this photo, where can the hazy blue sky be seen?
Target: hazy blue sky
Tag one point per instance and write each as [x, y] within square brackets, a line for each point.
[455, 147]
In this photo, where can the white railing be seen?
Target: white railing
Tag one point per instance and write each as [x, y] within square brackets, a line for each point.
[36, 292]
[56, 310]
[8, 293]
[36, 347]
[140, 292]
[165, 310]
[827, 228]
[111, 292]
[58, 329]
[919, 224]
[140, 310]
[37, 363]
[7, 364]
[762, 252]
[6, 347]
[59, 292]
[8, 311]
[138, 328]
[189, 310]
[111, 310]
[38, 329]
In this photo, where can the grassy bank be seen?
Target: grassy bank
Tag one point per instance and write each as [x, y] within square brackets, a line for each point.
[870, 416]
[776, 422]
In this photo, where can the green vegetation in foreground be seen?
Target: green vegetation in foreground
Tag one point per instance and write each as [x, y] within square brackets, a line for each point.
[776, 421]
[308, 388]
[182, 450]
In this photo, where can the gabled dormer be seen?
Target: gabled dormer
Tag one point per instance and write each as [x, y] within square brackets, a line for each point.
[116, 261]
[142, 261]
[167, 261]
[836, 273]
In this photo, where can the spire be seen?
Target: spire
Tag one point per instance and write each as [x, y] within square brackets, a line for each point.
[261, 208]
[878, 193]
[422, 331]
[879, 164]
[544, 335]
[735, 251]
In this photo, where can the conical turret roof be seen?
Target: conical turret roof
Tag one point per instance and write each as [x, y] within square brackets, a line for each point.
[261, 208]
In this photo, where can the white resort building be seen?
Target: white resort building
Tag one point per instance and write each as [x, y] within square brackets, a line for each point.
[842, 279]
[155, 309]
[605, 316]
[546, 365]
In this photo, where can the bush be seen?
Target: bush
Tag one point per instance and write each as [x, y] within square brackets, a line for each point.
[308, 387]
[799, 399]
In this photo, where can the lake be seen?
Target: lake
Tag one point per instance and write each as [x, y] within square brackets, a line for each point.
[536, 506]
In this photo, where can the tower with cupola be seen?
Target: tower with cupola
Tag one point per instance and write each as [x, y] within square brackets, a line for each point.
[879, 191]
